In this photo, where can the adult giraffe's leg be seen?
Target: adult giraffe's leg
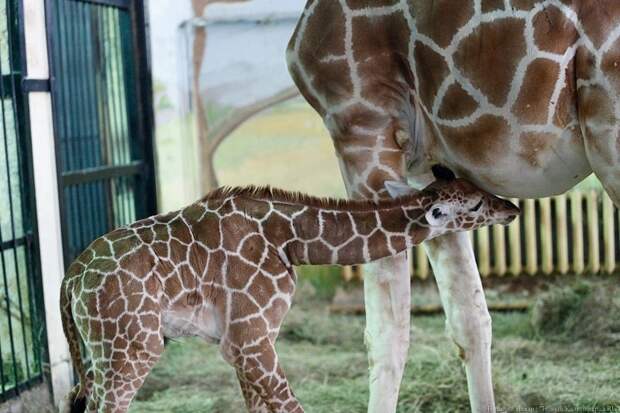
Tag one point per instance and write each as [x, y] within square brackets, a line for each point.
[368, 157]
[467, 317]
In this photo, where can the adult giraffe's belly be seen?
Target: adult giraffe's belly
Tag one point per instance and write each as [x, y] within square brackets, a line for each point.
[499, 90]
[515, 162]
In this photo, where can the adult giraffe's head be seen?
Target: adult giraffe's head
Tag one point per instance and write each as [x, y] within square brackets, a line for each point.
[456, 205]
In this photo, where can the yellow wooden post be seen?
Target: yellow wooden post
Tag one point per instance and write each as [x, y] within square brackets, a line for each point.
[484, 256]
[546, 237]
[499, 244]
[594, 258]
[577, 221]
[514, 242]
[609, 235]
[529, 216]
[422, 263]
[347, 273]
[561, 234]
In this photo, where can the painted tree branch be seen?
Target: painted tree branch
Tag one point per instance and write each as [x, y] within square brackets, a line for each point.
[198, 56]
[218, 134]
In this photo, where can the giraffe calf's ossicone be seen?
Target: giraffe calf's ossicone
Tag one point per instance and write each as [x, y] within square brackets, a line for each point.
[221, 269]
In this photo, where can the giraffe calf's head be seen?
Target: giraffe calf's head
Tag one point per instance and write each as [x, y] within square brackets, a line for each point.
[457, 205]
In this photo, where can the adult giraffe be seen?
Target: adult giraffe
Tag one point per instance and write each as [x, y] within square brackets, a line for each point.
[520, 96]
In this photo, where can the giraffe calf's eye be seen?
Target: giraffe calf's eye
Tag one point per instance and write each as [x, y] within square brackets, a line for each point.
[477, 207]
[436, 213]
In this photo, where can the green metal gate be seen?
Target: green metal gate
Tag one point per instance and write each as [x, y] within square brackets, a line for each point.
[22, 325]
[101, 95]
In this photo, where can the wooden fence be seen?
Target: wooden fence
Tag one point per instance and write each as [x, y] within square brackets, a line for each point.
[573, 233]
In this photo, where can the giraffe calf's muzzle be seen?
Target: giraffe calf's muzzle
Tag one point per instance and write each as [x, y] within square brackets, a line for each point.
[506, 211]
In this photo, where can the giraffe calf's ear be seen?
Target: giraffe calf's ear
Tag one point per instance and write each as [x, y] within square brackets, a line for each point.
[397, 189]
[442, 173]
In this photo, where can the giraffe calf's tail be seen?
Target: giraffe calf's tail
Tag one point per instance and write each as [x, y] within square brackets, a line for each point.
[76, 399]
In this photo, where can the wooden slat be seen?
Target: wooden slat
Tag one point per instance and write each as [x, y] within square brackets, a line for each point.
[577, 221]
[347, 273]
[514, 243]
[594, 257]
[484, 254]
[499, 244]
[609, 235]
[529, 216]
[422, 263]
[561, 234]
[546, 237]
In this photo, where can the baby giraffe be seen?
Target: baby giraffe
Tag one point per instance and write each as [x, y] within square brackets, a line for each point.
[222, 269]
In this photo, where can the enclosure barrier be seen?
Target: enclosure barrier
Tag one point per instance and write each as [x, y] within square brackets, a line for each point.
[574, 233]
[22, 325]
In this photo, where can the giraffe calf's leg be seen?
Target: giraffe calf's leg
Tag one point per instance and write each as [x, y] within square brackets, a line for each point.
[260, 374]
[119, 371]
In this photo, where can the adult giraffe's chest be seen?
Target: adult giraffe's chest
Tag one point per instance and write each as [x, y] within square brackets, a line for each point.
[498, 91]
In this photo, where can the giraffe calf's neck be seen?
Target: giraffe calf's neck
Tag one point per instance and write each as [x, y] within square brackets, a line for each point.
[222, 269]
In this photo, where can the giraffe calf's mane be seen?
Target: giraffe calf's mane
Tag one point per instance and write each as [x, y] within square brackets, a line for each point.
[299, 198]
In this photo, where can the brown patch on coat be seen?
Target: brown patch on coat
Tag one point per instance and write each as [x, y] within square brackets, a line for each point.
[432, 70]
[489, 56]
[338, 227]
[317, 251]
[320, 40]
[553, 31]
[533, 145]
[532, 105]
[598, 18]
[491, 5]
[380, 45]
[566, 107]
[377, 245]
[277, 229]
[596, 109]
[524, 4]
[457, 103]
[262, 289]
[610, 65]
[441, 19]
[482, 142]
[253, 248]
[307, 224]
[350, 252]
[363, 4]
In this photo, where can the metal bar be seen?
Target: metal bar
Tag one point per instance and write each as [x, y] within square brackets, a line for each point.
[146, 118]
[101, 173]
[2, 257]
[121, 4]
[15, 243]
[36, 85]
[13, 50]
[7, 82]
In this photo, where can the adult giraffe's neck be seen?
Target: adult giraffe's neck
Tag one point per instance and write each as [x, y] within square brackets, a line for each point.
[353, 237]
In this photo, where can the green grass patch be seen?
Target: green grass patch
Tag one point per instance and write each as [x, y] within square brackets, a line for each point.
[325, 360]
